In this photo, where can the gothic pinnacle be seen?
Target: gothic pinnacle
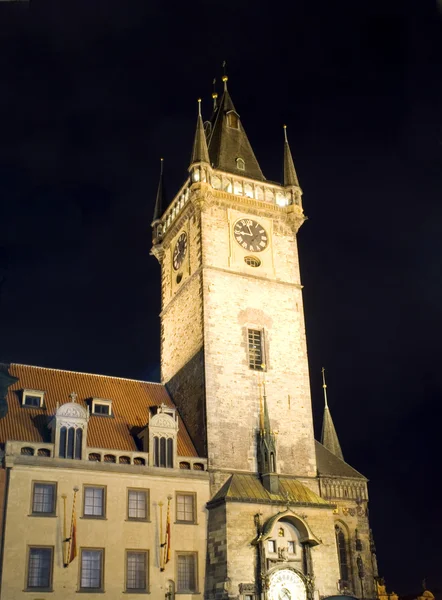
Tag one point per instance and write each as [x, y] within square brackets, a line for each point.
[290, 176]
[160, 200]
[329, 437]
[200, 153]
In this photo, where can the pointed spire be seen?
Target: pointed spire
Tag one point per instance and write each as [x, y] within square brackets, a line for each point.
[160, 200]
[200, 153]
[266, 445]
[329, 437]
[228, 140]
[290, 177]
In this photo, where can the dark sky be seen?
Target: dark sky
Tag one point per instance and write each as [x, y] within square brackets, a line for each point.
[93, 93]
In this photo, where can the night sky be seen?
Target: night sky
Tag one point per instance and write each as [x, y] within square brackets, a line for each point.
[93, 93]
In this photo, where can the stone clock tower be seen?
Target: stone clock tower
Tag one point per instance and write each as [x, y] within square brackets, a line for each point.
[234, 359]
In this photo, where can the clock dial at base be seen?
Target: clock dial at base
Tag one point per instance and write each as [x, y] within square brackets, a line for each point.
[250, 235]
[179, 251]
[285, 584]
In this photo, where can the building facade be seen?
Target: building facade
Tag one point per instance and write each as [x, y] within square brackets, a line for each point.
[210, 483]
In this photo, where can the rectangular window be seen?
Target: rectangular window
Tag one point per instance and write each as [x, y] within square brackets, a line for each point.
[185, 508]
[186, 572]
[136, 570]
[43, 499]
[137, 503]
[40, 568]
[91, 573]
[255, 345]
[101, 409]
[291, 547]
[32, 398]
[271, 546]
[94, 502]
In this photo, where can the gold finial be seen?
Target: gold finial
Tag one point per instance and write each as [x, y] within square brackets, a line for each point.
[214, 95]
[199, 106]
[285, 133]
[324, 386]
[225, 78]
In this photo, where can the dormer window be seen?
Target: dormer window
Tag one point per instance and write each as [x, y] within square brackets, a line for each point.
[33, 398]
[163, 430]
[101, 407]
[240, 164]
[232, 120]
[69, 429]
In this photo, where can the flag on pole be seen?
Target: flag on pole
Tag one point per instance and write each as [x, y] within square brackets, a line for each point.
[167, 540]
[72, 550]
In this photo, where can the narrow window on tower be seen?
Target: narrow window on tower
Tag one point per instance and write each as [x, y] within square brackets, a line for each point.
[341, 544]
[232, 120]
[255, 347]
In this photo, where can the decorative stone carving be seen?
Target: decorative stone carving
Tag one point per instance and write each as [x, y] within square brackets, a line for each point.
[71, 409]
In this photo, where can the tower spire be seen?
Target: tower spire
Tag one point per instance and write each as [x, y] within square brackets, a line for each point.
[266, 445]
[329, 437]
[160, 200]
[290, 176]
[200, 153]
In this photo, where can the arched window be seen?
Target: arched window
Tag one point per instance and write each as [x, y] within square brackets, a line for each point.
[62, 449]
[78, 443]
[156, 451]
[341, 544]
[240, 164]
[169, 461]
[162, 452]
[71, 440]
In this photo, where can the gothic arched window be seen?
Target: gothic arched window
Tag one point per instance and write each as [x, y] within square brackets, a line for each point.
[62, 449]
[163, 452]
[341, 544]
[78, 443]
[240, 164]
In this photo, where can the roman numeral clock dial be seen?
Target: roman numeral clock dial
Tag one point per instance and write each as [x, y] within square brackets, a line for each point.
[179, 251]
[250, 235]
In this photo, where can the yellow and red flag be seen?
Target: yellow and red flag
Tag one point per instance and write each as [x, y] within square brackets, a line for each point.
[72, 550]
[167, 540]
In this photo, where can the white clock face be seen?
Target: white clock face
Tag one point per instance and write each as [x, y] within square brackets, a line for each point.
[285, 584]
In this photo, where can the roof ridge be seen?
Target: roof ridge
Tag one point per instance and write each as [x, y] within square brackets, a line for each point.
[84, 373]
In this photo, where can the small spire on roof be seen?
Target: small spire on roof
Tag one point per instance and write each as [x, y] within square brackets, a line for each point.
[329, 437]
[324, 385]
[225, 78]
[290, 176]
[73, 396]
[214, 95]
[160, 200]
[200, 153]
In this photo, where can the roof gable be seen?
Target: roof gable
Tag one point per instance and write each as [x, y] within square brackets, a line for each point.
[329, 464]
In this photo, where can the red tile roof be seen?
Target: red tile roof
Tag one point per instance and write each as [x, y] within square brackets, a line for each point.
[131, 400]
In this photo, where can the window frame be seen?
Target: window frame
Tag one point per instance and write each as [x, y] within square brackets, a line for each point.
[92, 486]
[263, 366]
[34, 589]
[147, 504]
[179, 553]
[34, 393]
[186, 522]
[145, 590]
[102, 402]
[91, 590]
[53, 513]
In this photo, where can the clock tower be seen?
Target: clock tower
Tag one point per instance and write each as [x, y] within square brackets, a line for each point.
[287, 516]
[232, 312]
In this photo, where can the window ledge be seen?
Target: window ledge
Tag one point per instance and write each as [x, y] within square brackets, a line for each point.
[39, 590]
[90, 591]
[129, 520]
[93, 518]
[185, 523]
[39, 515]
[136, 591]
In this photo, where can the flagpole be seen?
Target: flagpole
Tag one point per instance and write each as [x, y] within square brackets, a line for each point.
[160, 504]
[69, 559]
[167, 537]
[64, 529]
